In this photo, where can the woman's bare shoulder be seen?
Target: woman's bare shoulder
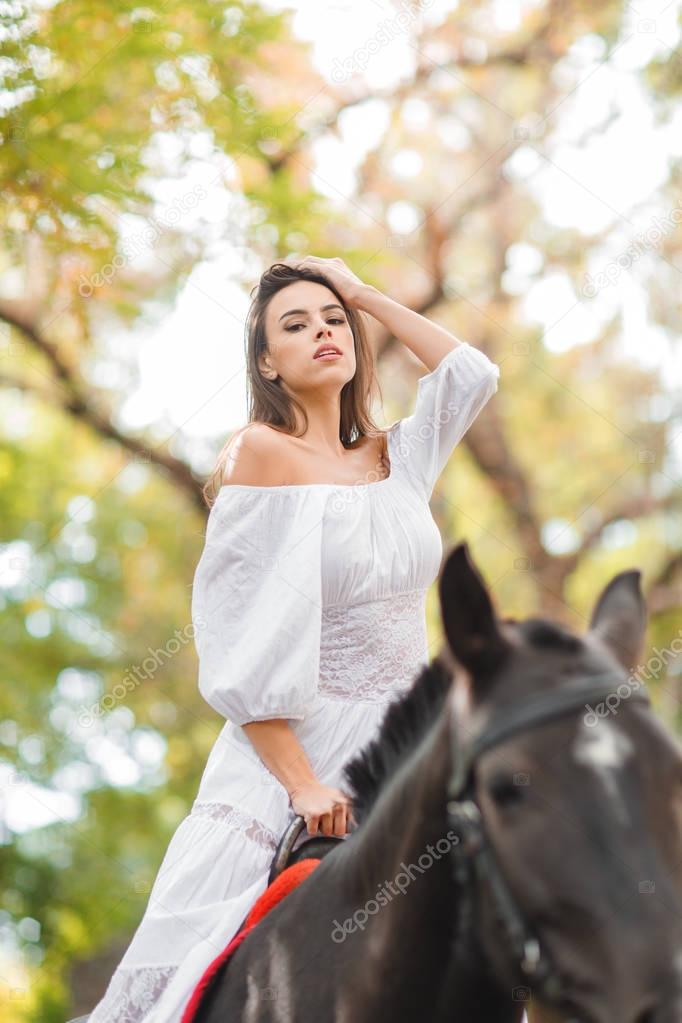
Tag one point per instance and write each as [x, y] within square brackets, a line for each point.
[253, 456]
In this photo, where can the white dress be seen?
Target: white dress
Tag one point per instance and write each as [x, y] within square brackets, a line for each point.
[308, 603]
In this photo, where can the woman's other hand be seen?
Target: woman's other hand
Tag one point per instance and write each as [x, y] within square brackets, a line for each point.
[323, 807]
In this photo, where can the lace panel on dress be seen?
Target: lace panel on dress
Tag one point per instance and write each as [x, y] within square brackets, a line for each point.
[372, 651]
[133, 991]
[237, 819]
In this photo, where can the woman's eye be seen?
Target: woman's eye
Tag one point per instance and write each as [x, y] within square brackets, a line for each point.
[293, 326]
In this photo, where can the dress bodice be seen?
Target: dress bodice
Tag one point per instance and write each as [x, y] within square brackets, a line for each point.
[377, 540]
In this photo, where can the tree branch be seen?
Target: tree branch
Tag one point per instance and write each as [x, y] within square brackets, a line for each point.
[630, 508]
[76, 401]
[665, 593]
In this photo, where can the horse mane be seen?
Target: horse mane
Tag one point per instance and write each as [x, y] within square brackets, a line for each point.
[405, 723]
[542, 633]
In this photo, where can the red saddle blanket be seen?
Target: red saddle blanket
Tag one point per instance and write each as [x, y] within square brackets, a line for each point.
[274, 893]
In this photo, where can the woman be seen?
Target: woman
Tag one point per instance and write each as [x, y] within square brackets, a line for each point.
[308, 602]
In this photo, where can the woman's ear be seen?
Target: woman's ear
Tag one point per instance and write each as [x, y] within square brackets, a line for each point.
[266, 369]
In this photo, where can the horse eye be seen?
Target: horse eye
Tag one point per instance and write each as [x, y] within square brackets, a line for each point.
[506, 790]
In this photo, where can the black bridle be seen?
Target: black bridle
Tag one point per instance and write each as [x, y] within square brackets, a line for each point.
[473, 855]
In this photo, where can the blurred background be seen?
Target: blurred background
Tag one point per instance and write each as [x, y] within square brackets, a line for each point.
[510, 169]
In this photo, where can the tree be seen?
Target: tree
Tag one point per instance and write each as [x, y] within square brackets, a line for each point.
[567, 476]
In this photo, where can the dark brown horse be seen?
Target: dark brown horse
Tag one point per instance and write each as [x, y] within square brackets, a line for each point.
[518, 840]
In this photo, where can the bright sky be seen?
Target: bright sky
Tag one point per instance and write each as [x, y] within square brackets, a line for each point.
[191, 365]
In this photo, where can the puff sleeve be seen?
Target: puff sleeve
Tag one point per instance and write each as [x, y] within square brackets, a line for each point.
[256, 602]
[448, 400]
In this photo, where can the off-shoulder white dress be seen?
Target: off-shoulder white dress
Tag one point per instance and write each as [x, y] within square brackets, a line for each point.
[308, 603]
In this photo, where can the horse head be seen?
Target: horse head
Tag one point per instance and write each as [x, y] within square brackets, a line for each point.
[566, 799]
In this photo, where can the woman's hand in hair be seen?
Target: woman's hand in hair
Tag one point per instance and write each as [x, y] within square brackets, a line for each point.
[346, 283]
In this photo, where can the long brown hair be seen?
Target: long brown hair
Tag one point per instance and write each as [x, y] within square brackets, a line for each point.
[268, 402]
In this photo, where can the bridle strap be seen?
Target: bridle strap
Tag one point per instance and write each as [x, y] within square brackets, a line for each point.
[474, 850]
[535, 710]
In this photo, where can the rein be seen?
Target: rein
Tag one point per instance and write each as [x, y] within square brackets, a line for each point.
[473, 855]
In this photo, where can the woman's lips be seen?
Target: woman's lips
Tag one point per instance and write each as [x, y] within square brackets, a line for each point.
[328, 356]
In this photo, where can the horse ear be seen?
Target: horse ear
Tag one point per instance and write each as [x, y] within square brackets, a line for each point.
[469, 621]
[619, 617]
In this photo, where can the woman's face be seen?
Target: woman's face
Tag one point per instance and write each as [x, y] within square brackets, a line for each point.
[298, 318]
